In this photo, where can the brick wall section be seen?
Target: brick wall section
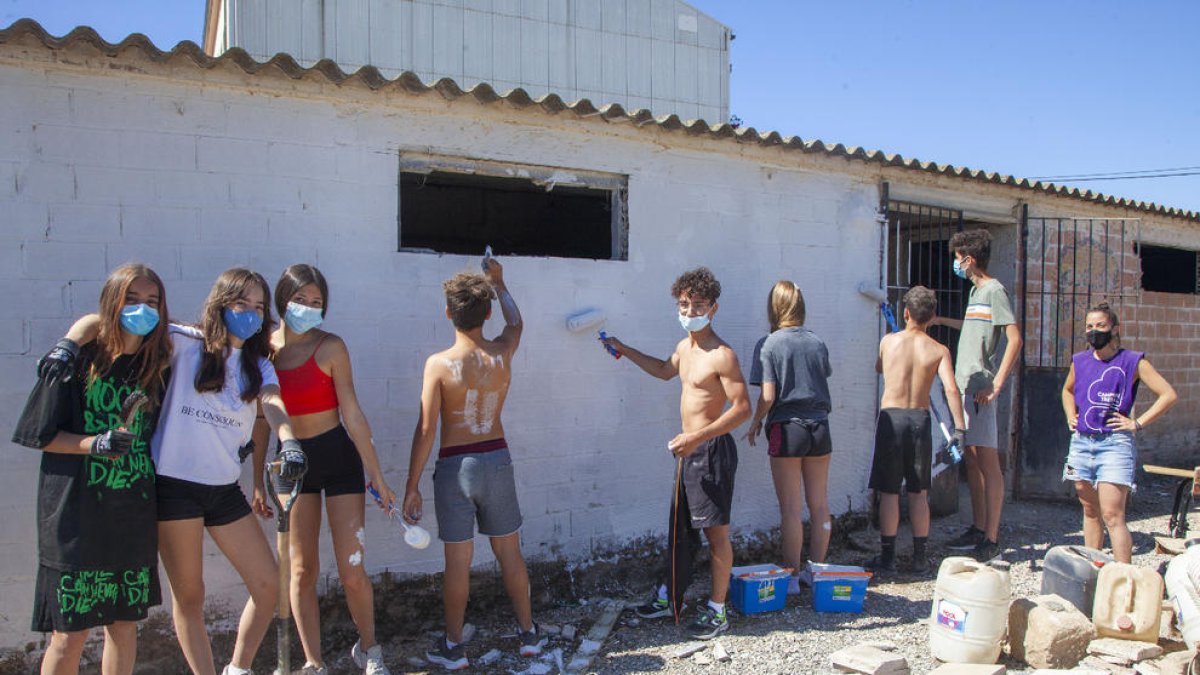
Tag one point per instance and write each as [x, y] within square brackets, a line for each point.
[1166, 326]
[193, 178]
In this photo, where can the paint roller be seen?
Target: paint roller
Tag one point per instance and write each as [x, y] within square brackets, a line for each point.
[588, 319]
[880, 296]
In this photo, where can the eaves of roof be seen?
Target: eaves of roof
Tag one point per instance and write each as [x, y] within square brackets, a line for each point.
[553, 104]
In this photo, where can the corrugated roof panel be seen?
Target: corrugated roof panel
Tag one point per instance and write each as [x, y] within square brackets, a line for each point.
[312, 39]
[285, 30]
[26, 31]
[250, 26]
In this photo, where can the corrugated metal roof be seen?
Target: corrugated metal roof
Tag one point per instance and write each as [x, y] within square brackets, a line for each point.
[552, 104]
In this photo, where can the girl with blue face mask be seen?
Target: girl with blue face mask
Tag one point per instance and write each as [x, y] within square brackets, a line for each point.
[317, 385]
[96, 492]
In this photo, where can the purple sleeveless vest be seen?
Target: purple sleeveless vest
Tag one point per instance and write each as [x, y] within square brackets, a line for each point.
[1102, 387]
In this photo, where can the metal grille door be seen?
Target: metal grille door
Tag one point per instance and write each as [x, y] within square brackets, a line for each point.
[1069, 265]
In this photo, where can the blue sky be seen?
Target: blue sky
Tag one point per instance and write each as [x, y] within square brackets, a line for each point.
[1031, 88]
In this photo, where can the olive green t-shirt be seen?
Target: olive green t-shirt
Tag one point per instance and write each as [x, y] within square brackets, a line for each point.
[988, 312]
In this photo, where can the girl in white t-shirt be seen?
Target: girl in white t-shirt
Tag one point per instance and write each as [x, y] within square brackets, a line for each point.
[221, 378]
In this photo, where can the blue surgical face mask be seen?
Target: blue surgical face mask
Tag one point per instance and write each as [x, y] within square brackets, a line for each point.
[138, 319]
[243, 324]
[693, 324]
[958, 270]
[302, 318]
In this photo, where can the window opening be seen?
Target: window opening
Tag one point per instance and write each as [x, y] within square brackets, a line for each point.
[452, 205]
[1169, 270]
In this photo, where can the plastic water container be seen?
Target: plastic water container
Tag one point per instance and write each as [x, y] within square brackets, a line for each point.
[1128, 603]
[1070, 572]
[758, 588]
[970, 611]
[1183, 589]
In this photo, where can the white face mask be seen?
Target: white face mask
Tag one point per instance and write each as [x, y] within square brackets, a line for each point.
[694, 324]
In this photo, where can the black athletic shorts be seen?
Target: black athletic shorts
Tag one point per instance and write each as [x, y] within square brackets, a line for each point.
[903, 451]
[74, 600]
[799, 438]
[708, 481]
[216, 504]
[334, 466]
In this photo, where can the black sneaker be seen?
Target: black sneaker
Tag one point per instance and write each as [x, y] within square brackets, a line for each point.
[450, 659]
[532, 641]
[920, 566]
[708, 624]
[655, 609]
[968, 540]
[987, 551]
[878, 568]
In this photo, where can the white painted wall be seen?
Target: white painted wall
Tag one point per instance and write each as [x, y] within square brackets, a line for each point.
[192, 177]
[662, 55]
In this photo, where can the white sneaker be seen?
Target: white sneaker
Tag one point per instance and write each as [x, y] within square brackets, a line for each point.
[371, 660]
[310, 669]
[234, 670]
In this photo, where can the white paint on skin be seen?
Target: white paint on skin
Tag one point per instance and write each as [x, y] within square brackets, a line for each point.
[356, 558]
[361, 536]
[479, 418]
[455, 368]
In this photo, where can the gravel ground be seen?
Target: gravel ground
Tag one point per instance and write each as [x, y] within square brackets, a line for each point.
[793, 640]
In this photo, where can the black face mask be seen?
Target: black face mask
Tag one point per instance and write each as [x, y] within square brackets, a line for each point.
[1099, 339]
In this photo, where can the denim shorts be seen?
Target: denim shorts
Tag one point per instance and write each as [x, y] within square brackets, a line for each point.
[475, 488]
[1107, 458]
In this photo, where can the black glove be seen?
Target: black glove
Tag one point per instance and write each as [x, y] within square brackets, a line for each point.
[112, 444]
[960, 439]
[58, 363]
[293, 463]
[246, 450]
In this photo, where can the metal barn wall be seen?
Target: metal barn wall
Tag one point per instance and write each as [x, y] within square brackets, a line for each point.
[662, 55]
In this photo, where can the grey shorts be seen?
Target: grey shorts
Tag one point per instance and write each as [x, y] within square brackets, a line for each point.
[475, 487]
[981, 422]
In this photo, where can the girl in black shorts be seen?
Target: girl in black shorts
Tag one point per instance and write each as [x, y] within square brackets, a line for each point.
[97, 543]
[791, 365]
[317, 386]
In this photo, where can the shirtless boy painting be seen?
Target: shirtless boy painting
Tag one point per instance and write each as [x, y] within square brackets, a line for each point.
[465, 386]
[909, 361]
[706, 453]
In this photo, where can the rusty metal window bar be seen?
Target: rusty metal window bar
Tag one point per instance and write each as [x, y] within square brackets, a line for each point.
[918, 249]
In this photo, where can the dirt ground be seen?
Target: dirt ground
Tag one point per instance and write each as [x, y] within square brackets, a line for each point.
[794, 640]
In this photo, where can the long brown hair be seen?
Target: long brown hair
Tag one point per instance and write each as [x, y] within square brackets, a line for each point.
[293, 279]
[785, 306]
[153, 355]
[227, 290]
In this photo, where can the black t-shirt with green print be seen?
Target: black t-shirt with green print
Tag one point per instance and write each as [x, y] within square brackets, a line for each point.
[93, 513]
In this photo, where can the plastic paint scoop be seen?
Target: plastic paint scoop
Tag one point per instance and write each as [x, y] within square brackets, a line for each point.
[414, 535]
[487, 254]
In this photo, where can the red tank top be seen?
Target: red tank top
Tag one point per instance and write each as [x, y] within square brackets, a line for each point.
[306, 389]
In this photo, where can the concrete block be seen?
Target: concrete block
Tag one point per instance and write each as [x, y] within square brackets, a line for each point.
[150, 150]
[309, 161]
[73, 145]
[13, 337]
[61, 260]
[26, 220]
[222, 225]
[969, 669]
[232, 155]
[1123, 652]
[868, 660]
[84, 222]
[45, 181]
[1048, 632]
[1093, 663]
[108, 185]
[160, 224]
[204, 263]
[162, 258]
[264, 192]
[191, 188]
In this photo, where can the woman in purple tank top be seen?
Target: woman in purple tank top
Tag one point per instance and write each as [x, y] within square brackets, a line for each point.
[1098, 401]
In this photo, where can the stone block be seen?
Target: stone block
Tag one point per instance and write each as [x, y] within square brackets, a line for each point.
[1094, 663]
[869, 661]
[1047, 631]
[1123, 652]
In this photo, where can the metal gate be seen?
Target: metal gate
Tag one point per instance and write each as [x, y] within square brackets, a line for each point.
[916, 246]
[1067, 266]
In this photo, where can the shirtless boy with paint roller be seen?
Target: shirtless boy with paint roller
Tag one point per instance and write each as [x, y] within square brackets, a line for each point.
[706, 453]
[466, 386]
[910, 360]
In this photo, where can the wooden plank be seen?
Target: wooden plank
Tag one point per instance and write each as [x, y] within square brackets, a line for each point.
[1169, 471]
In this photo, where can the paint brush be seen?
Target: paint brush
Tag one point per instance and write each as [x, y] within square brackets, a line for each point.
[414, 535]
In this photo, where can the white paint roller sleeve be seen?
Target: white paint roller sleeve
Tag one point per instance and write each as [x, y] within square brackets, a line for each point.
[585, 320]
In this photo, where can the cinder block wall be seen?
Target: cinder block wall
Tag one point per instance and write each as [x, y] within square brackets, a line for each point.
[195, 175]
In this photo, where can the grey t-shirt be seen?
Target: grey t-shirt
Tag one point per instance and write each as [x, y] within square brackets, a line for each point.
[797, 362]
[988, 312]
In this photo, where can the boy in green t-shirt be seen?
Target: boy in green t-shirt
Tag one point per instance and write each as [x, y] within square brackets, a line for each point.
[988, 315]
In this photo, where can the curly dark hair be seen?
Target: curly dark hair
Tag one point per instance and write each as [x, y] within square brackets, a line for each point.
[699, 282]
[974, 243]
[469, 299]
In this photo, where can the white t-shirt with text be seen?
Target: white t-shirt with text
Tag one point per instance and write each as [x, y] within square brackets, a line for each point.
[199, 434]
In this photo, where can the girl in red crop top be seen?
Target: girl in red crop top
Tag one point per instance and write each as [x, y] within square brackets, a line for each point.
[315, 380]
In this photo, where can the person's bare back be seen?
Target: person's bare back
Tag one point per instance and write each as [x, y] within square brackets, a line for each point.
[473, 378]
[910, 360]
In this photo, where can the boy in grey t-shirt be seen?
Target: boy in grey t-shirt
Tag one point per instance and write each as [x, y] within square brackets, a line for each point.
[988, 315]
